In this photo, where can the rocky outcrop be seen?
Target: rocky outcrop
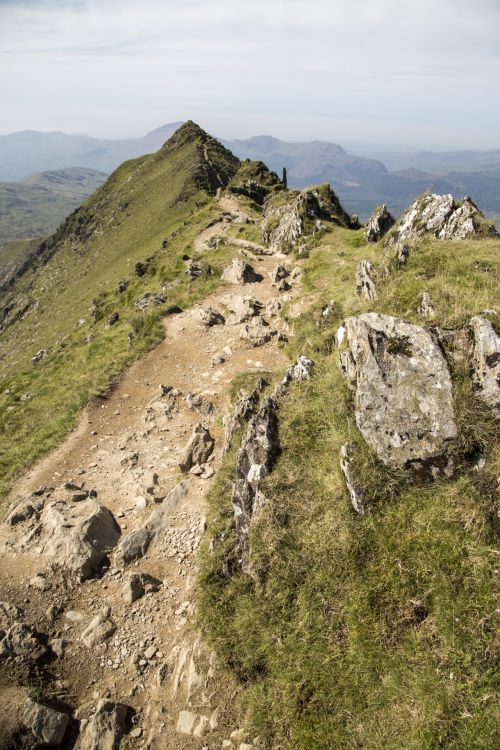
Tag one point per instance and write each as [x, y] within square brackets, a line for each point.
[380, 222]
[443, 217]
[106, 727]
[286, 222]
[239, 272]
[256, 457]
[255, 181]
[365, 280]
[21, 641]
[210, 317]
[426, 309]
[486, 363]
[403, 391]
[198, 450]
[45, 724]
[244, 408]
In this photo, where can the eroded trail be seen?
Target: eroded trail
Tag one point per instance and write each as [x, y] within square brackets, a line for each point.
[127, 448]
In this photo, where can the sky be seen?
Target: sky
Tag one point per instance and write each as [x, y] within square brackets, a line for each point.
[391, 74]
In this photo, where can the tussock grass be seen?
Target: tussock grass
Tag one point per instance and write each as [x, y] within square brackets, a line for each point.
[367, 632]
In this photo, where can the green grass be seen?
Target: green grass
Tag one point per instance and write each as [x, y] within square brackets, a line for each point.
[376, 632]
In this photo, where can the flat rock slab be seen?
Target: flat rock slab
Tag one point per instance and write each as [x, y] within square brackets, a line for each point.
[47, 725]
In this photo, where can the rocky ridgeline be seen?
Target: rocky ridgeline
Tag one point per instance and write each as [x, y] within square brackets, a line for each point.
[288, 217]
[442, 217]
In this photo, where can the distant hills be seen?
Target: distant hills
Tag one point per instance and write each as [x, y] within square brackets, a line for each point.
[30, 151]
[360, 181]
[37, 205]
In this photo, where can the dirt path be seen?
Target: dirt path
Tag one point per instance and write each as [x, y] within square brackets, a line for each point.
[154, 661]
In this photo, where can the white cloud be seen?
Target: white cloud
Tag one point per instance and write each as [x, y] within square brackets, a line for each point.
[390, 71]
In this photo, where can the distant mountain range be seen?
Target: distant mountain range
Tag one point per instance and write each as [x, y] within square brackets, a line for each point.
[361, 182]
[36, 205]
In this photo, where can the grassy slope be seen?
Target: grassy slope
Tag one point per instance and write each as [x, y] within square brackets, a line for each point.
[146, 201]
[375, 632]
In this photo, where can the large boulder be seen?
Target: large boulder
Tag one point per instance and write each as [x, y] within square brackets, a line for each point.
[244, 408]
[78, 536]
[486, 362]
[257, 332]
[443, 217]
[403, 391]
[380, 222]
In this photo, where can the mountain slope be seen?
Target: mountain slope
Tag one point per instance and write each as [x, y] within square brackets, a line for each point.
[147, 212]
[29, 151]
[35, 206]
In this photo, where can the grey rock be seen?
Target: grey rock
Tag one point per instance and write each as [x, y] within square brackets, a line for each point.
[150, 299]
[257, 332]
[46, 724]
[21, 640]
[106, 727]
[244, 408]
[99, 630]
[426, 309]
[365, 280]
[380, 222]
[242, 308]
[239, 272]
[301, 370]
[279, 273]
[78, 537]
[30, 508]
[403, 391]
[440, 216]
[354, 485]
[197, 403]
[137, 585]
[210, 317]
[135, 544]
[486, 362]
[9, 614]
[259, 449]
[39, 356]
[198, 450]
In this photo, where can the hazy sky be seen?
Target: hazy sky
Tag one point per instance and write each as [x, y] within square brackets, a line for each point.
[397, 73]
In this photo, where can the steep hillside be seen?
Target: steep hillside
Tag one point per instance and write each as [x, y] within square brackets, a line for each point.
[147, 213]
[35, 206]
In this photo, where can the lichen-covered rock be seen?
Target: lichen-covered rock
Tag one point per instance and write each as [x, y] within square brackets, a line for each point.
[105, 728]
[443, 217]
[239, 272]
[486, 362]
[380, 222]
[365, 280]
[403, 391]
[256, 457]
[198, 450]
